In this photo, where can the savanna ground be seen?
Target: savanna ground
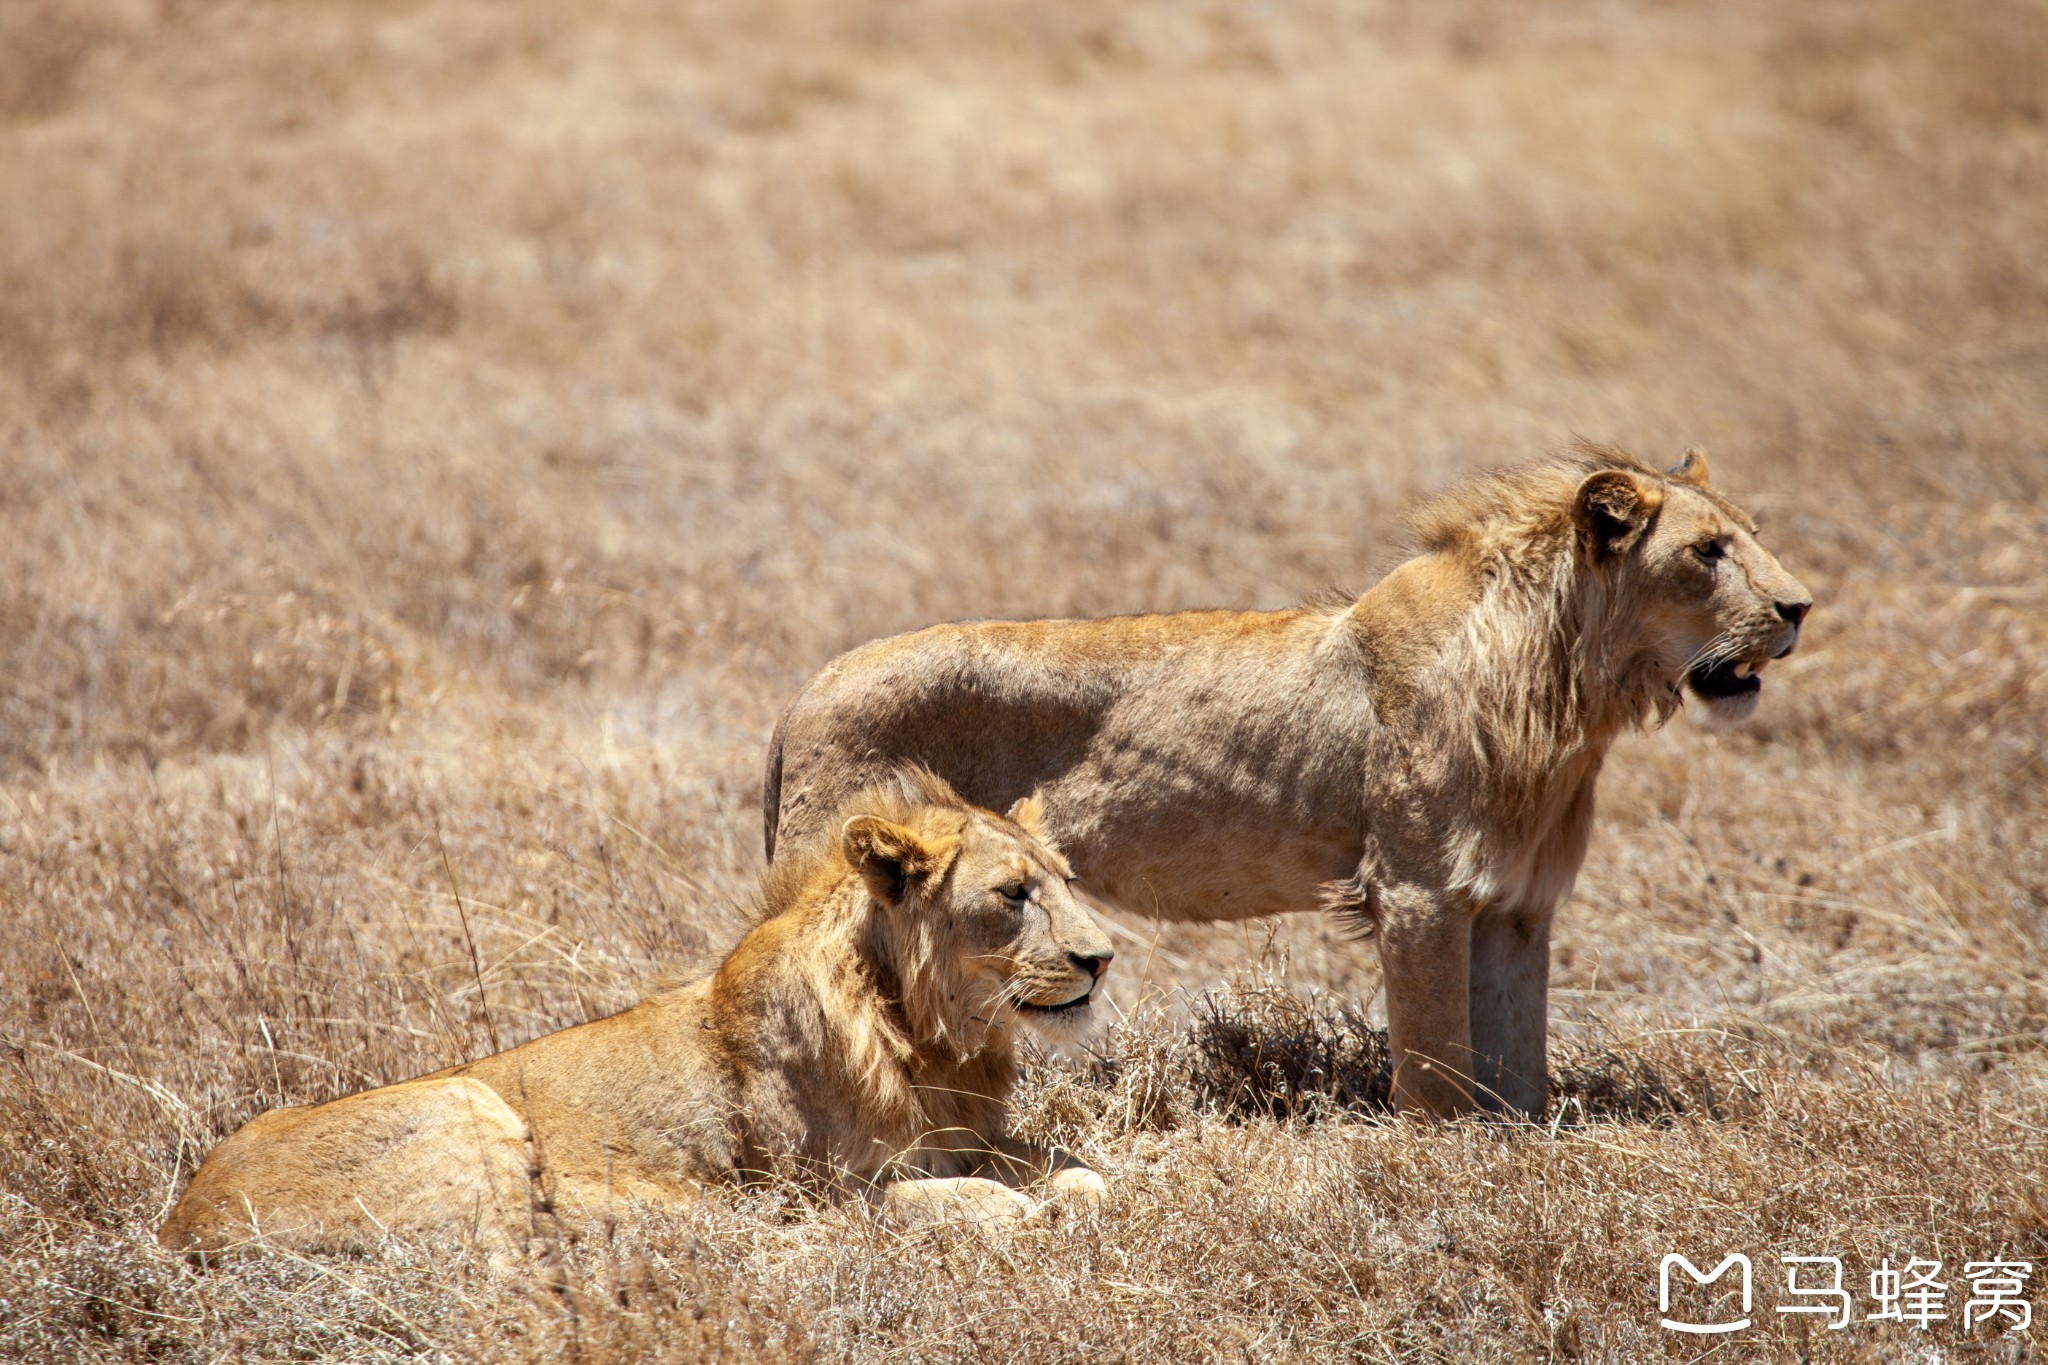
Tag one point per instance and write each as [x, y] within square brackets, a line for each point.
[438, 437]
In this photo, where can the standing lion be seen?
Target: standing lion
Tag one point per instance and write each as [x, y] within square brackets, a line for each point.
[1422, 758]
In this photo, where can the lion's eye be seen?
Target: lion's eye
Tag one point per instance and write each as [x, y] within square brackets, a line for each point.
[1709, 550]
[1015, 891]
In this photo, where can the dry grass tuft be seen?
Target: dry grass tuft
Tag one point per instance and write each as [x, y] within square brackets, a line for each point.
[438, 436]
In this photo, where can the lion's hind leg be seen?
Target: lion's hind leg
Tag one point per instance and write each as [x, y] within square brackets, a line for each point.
[437, 1158]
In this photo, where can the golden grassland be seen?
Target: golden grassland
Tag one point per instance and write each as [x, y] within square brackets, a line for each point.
[437, 437]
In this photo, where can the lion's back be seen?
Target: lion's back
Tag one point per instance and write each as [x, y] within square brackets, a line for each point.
[939, 697]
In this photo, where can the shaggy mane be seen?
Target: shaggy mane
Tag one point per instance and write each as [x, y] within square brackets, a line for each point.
[897, 799]
[1550, 658]
[1521, 505]
[883, 982]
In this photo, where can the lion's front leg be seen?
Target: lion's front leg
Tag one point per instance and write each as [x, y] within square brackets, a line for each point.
[1510, 1011]
[995, 1190]
[1425, 943]
[952, 1199]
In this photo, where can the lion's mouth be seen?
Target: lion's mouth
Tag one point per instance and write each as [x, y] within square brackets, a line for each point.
[1736, 678]
[1070, 1007]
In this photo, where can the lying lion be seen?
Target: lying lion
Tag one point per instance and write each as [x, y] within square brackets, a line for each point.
[859, 1038]
[1422, 757]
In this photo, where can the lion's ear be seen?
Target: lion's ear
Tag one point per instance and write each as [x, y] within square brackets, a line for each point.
[1029, 815]
[890, 857]
[1613, 508]
[1692, 469]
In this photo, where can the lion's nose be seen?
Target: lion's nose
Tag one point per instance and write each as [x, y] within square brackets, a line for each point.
[1094, 964]
[1795, 612]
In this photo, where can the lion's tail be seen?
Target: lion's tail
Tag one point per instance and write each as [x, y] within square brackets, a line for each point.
[771, 784]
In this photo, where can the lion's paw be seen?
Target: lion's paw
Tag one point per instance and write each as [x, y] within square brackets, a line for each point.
[1078, 1187]
[961, 1199]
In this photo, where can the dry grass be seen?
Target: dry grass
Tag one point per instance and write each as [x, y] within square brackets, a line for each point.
[438, 436]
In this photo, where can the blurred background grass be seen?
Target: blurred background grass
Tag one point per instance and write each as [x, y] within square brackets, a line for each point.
[437, 437]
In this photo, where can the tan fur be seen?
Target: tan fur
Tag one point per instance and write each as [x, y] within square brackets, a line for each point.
[859, 1038]
[1422, 757]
